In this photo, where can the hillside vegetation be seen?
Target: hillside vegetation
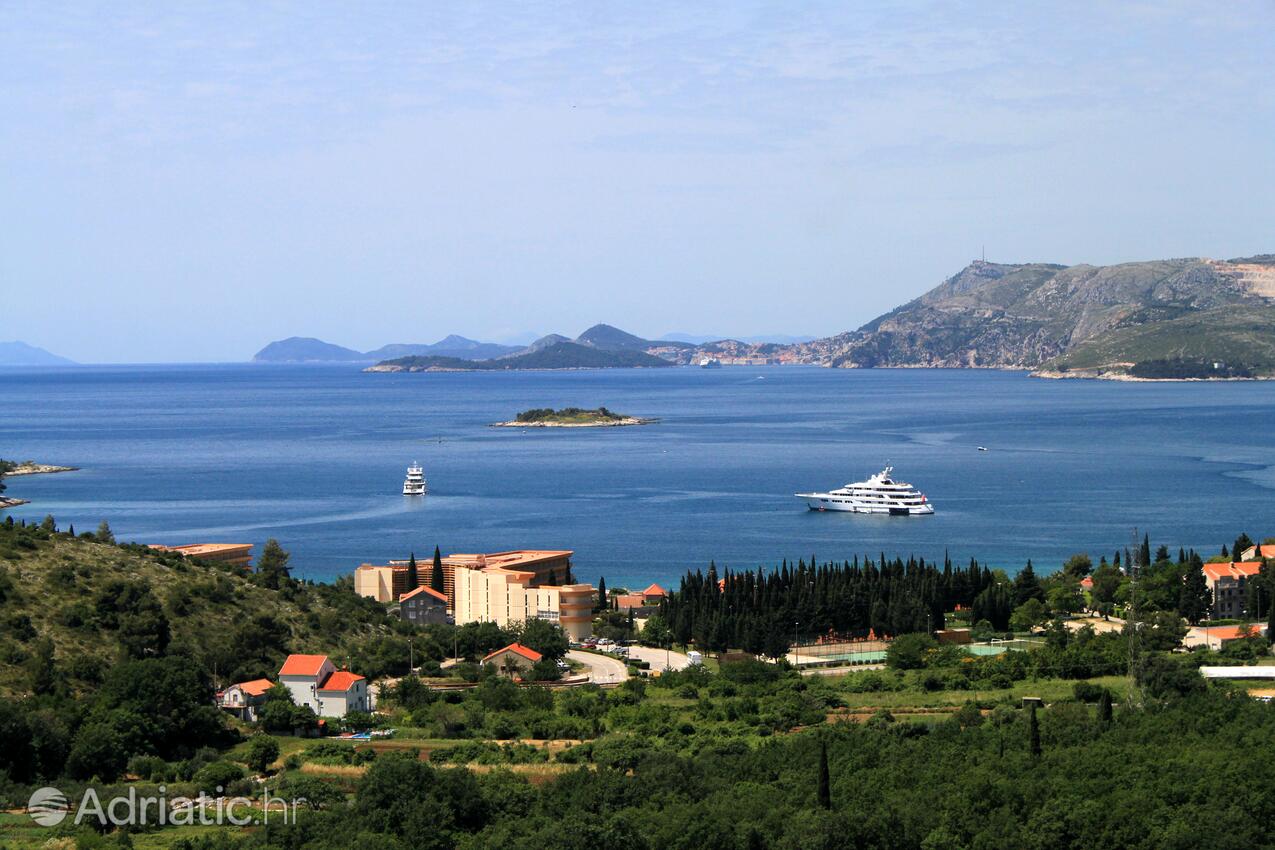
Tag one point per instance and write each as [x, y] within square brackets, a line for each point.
[76, 605]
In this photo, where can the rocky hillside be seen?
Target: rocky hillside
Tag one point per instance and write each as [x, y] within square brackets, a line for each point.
[1099, 319]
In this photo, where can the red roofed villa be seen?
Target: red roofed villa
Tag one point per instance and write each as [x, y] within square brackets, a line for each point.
[313, 680]
[242, 698]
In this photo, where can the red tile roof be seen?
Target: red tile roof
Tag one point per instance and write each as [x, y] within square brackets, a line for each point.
[1266, 550]
[340, 681]
[529, 654]
[655, 590]
[302, 665]
[256, 687]
[1086, 582]
[1221, 633]
[1235, 569]
[442, 597]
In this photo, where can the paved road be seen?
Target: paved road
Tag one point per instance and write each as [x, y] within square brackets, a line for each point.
[658, 659]
[602, 668]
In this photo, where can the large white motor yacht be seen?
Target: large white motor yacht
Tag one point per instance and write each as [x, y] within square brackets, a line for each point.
[414, 484]
[880, 494]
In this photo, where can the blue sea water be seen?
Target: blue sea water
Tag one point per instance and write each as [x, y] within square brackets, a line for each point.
[315, 456]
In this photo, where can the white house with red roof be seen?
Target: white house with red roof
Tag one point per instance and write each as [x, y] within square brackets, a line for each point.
[313, 680]
[242, 698]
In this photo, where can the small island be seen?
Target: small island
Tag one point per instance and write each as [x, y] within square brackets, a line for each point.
[571, 417]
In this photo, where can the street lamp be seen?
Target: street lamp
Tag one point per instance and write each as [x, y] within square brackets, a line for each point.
[411, 658]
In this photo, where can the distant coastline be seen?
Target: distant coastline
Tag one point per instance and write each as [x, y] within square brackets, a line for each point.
[28, 467]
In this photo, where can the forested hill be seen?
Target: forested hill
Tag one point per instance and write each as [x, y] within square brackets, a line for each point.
[1102, 319]
[70, 607]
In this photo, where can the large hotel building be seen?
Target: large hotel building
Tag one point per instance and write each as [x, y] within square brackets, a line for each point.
[502, 588]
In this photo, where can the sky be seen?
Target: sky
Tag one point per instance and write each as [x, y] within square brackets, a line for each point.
[187, 182]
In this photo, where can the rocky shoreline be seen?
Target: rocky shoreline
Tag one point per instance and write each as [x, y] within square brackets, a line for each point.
[29, 468]
[610, 423]
[1098, 375]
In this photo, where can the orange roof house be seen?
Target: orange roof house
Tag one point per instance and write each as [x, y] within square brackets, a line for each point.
[441, 597]
[526, 652]
[340, 682]
[242, 698]
[1265, 550]
[1234, 570]
[513, 660]
[655, 591]
[303, 665]
[314, 681]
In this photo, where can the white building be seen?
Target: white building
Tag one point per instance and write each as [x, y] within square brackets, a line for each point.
[314, 681]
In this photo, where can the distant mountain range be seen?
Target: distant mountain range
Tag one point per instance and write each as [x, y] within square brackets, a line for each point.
[300, 349]
[18, 353]
[1178, 318]
[599, 347]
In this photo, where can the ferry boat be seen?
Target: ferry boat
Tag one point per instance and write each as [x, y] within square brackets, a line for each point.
[414, 484]
[880, 494]
[710, 363]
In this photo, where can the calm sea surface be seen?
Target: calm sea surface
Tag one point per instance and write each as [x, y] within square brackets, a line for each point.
[315, 457]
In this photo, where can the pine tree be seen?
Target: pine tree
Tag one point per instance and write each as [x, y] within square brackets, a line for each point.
[436, 580]
[1027, 586]
[413, 579]
[1033, 726]
[1242, 543]
[104, 533]
[272, 566]
[825, 777]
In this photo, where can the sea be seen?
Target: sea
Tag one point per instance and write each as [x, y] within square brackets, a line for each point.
[315, 456]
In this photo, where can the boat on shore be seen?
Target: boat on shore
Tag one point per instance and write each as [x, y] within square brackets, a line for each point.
[880, 494]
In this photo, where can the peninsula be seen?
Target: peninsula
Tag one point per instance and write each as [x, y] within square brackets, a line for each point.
[571, 417]
[10, 469]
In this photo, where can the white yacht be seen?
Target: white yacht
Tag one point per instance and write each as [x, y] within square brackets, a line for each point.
[414, 484]
[710, 363]
[880, 494]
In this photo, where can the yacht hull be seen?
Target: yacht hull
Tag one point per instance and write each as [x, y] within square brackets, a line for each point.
[839, 504]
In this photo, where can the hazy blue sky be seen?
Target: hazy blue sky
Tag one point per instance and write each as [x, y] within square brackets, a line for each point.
[186, 182]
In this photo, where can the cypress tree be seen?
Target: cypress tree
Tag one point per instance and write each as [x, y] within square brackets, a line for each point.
[413, 579]
[552, 579]
[1033, 726]
[436, 581]
[1193, 598]
[603, 603]
[825, 777]
[1104, 709]
[1270, 619]
[1144, 557]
